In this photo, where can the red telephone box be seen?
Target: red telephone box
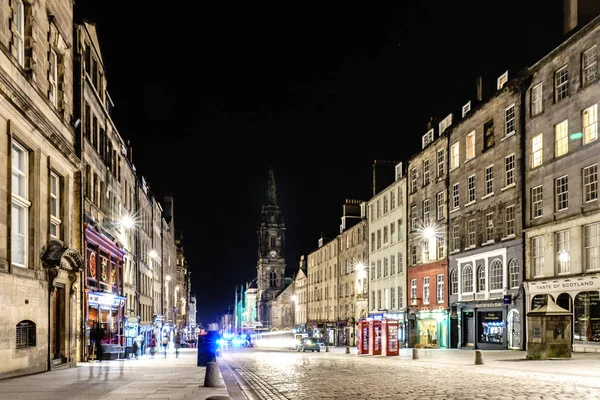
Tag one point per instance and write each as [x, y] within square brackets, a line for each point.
[390, 345]
[375, 337]
[363, 337]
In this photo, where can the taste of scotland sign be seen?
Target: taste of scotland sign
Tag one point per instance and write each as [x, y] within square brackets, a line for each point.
[577, 284]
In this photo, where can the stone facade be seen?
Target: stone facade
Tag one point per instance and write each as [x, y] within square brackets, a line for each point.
[387, 252]
[40, 258]
[485, 192]
[322, 275]
[562, 213]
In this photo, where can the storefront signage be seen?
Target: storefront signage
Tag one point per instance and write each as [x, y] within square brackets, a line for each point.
[557, 285]
[488, 305]
[104, 300]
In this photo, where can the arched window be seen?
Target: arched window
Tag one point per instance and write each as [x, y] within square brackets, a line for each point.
[272, 279]
[480, 278]
[513, 270]
[453, 282]
[25, 332]
[496, 281]
[467, 279]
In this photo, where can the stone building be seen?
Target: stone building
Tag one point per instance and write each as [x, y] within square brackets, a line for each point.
[427, 232]
[486, 248]
[301, 299]
[562, 152]
[146, 257]
[158, 274]
[274, 298]
[322, 270]
[387, 252]
[40, 211]
[353, 289]
[183, 280]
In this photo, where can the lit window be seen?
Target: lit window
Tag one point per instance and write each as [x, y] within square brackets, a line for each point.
[561, 84]
[454, 155]
[470, 145]
[590, 124]
[562, 252]
[590, 183]
[426, 290]
[537, 156]
[561, 138]
[537, 202]
[562, 193]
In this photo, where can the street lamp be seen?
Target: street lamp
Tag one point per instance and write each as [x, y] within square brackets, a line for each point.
[127, 221]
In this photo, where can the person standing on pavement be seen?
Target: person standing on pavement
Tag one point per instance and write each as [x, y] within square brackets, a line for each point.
[152, 345]
[177, 344]
[165, 343]
[135, 348]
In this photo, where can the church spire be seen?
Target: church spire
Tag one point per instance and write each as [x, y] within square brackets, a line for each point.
[271, 189]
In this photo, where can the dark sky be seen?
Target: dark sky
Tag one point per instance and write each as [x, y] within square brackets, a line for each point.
[208, 91]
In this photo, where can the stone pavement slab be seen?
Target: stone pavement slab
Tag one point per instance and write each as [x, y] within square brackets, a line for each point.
[145, 378]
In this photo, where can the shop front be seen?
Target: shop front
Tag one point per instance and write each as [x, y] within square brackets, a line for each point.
[581, 296]
[490, 325]
[104, 303]
[431, 329]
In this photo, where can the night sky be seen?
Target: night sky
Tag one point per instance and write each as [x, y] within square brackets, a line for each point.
[209, 93]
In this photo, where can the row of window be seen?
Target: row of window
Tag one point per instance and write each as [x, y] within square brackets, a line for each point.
[386, 204]
[387, 235]
[387, 299]
[589, 118]
[562, 251]
[439, 171]
[480, 279]
[508, 218]
[389, 266]
[426, 290]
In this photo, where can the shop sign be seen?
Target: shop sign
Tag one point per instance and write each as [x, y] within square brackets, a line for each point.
[104, 300]
[557, 285]
[487, 305]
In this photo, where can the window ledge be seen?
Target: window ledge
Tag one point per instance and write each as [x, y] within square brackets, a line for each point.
[488, 242]
[512, 185]
[508, 237]
[487, 195]
[470, 159]
[454, 210]
[508, 136]
[452, 169]
[470, 203]
[470, 247]
[454, 252]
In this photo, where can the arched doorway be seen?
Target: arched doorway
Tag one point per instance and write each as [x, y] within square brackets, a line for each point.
[513, 322]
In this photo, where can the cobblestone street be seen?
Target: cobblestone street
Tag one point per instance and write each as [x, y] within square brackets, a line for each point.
[437, 374]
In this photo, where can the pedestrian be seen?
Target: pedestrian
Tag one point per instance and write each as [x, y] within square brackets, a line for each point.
[152, 345]
[135, 348]
[177, 344]
[99, 335]
[165, 343]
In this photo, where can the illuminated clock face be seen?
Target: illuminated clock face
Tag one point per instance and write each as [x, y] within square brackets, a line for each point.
[273, 253]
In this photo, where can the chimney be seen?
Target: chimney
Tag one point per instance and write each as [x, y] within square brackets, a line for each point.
[484, 87]
[129, 151]
[577, 13]
[384, 174]
[169, 209]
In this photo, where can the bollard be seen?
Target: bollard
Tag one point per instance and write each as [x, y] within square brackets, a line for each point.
[347, 350]
[478, 357]
[415, 354]
[211, 378]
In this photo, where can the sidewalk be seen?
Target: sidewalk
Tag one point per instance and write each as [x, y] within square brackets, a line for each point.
[580, 364]
[145, 378]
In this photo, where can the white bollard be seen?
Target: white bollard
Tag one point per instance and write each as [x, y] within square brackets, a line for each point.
[415, 354]
[478, 357]
[212, 378]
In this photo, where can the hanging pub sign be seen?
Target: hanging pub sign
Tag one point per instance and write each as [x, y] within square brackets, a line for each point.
[92, 265]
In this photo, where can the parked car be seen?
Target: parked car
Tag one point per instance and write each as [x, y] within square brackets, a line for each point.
[309, 344]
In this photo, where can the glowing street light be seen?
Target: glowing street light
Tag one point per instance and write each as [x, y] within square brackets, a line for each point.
[127, 222]
[168, 278]
[153, 253]
[563, 257]
[294, 298]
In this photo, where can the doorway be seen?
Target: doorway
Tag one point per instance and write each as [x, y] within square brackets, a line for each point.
[468, 329]
[513, 322]
[58, 324]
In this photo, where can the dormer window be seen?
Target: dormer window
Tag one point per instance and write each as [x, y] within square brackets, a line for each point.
[427, 138]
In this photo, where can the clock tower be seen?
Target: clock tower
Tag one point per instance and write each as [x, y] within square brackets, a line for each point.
[271, 254]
